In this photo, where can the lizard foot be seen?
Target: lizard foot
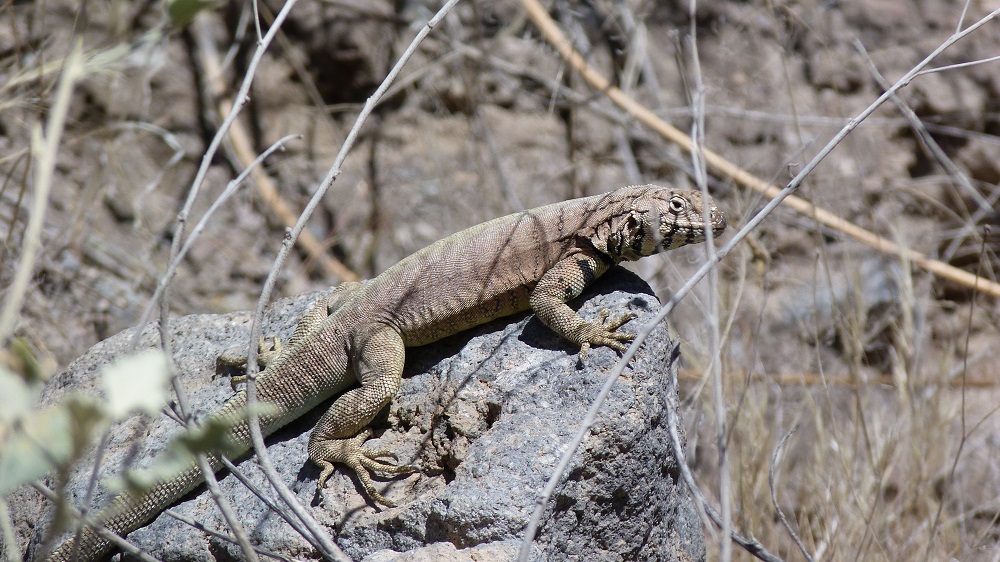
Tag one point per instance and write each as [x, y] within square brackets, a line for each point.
[362, 461]
[264, 355]
[603, 333]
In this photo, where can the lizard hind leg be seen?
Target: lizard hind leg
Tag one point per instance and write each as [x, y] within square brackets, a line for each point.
[313, 318]
[341, 432]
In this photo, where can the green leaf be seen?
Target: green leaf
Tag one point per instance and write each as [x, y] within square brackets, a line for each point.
[137, 383]
[18, 397]
[182, 12]
[48, 438]
[30, 367]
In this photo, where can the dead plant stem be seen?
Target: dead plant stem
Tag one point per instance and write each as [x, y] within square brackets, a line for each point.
[45, 147]
[552, 32]
[725, 168]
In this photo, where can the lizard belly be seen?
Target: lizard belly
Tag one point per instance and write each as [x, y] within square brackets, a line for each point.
[439, 318]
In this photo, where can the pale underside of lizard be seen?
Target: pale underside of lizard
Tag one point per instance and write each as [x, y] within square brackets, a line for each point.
[351, 345]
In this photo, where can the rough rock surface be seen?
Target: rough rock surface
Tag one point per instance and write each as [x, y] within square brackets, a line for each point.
[484, 414]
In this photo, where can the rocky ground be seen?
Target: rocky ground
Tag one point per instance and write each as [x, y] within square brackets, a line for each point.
[886, 371]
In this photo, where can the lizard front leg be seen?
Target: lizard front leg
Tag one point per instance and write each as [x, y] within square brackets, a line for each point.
[340, 433]
[236, 358]
[317, 313]
[565, 281]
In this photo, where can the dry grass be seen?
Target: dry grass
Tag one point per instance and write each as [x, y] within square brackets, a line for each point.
[868, 474]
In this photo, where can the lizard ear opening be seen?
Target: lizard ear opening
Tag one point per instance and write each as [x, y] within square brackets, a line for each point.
[637, 235]
[605, 239]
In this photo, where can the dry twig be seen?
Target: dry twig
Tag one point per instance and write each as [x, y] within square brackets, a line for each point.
[293, 234]
[243, 149]
[740, 176]
[44, 146]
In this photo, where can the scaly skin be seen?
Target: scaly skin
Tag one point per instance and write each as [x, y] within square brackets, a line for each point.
[538, 259]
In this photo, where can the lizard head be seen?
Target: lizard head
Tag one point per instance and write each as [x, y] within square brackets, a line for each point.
[682, 218]
[660, 219]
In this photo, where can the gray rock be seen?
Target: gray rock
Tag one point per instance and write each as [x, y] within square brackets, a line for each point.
[484, 414]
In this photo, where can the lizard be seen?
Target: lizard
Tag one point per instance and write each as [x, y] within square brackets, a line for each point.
[352, 344]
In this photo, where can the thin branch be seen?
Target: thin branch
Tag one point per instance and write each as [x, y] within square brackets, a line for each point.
[254, 423]
[232, 521]
[255, 490]
[882, 380]
[958, 65]
[207, 472]
[985, 206]
[924, 136]
[324, 544]
[961, 18]
[88, 495]
[242, 148]
[242, 97]
[124, 545]
[712, 315]
[195, 524]
[169, 139]
[673, 422]
[965, 434]
[13, 549]
[175, 262]
[161, 296]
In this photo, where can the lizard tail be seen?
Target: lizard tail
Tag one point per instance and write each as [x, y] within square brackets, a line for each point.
[77, 548]
[131, 510]
[126, 513]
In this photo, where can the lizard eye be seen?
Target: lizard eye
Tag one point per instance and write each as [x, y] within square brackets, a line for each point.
[678, 204]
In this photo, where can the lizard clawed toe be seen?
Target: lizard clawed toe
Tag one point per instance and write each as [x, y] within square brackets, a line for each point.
[603, 333]
[617, 322]
[362, 461]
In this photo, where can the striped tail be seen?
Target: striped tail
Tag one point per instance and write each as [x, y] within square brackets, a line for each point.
[131, 510]
[126, 513]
